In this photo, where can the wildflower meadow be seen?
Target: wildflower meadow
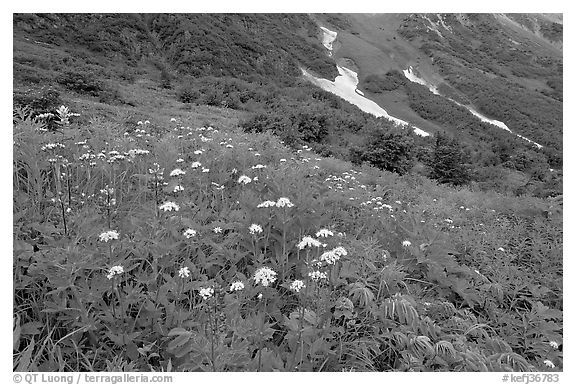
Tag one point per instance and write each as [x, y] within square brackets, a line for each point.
[168, 246]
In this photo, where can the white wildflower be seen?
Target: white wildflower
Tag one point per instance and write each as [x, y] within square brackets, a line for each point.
[177, 172]
[198, 152]
[264, 276]
[195, 164]
[178, 188]
[114, 270]
[297, 285]
[324, 233]
[554, 344]
[258, 166]
[217, 230]
[189, 233]
[109, 235]
[549, 364]
[501, 249]
[173, 119]
[244, 179]
[406, 243]
[206, 292]
[309, 241]
[184, 272]
[255, 229]
[236, 286]
[284, 202]
[317, 275]
[205, 169]
[267, 204]
[340, 251]
[169, 206]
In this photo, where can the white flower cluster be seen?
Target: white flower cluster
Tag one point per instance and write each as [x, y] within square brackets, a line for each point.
[52, 146]
[332, 256]
[284, 202]
[217, 230]
[264, 276]
[297, 285]
[206, 292]
[244, 179]
[267, 204]
[169, 206]
[258, 166]
[184, 272]
[308, 241]
[554, 344]
[317, 275]
[178, 188]
[324, 233]
[109, 235]
[195, 164]
[549, 364]
[177, 172]
[189, 233]
[255, 229]
[137, 151]
[236, 286]
[406, 243]
[114, 270]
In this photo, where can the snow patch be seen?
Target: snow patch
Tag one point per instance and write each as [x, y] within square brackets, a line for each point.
[345, 85]
[434, 26]
[328, 38]
[410, 75]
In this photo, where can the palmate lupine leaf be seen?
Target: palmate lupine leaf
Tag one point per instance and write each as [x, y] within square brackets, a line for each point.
[445, 349]
[421, 346]
[361, 294]
[512, 360]
[399, 308]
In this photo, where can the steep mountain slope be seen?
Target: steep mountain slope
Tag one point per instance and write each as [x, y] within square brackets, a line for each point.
[254, 63]
[491, 62]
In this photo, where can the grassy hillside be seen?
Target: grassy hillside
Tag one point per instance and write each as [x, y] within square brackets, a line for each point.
[205, 209]
[134, 226]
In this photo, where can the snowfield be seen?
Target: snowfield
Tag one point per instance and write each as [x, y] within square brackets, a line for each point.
[328, 39]
[345, 85]
[410, 75]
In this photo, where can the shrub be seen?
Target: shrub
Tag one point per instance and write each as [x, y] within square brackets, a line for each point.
[81, 82]
[448, 162]
[387, 150]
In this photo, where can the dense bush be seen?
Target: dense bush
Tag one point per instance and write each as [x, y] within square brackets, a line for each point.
[387, 150]
[448, 163]
[81, 82]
